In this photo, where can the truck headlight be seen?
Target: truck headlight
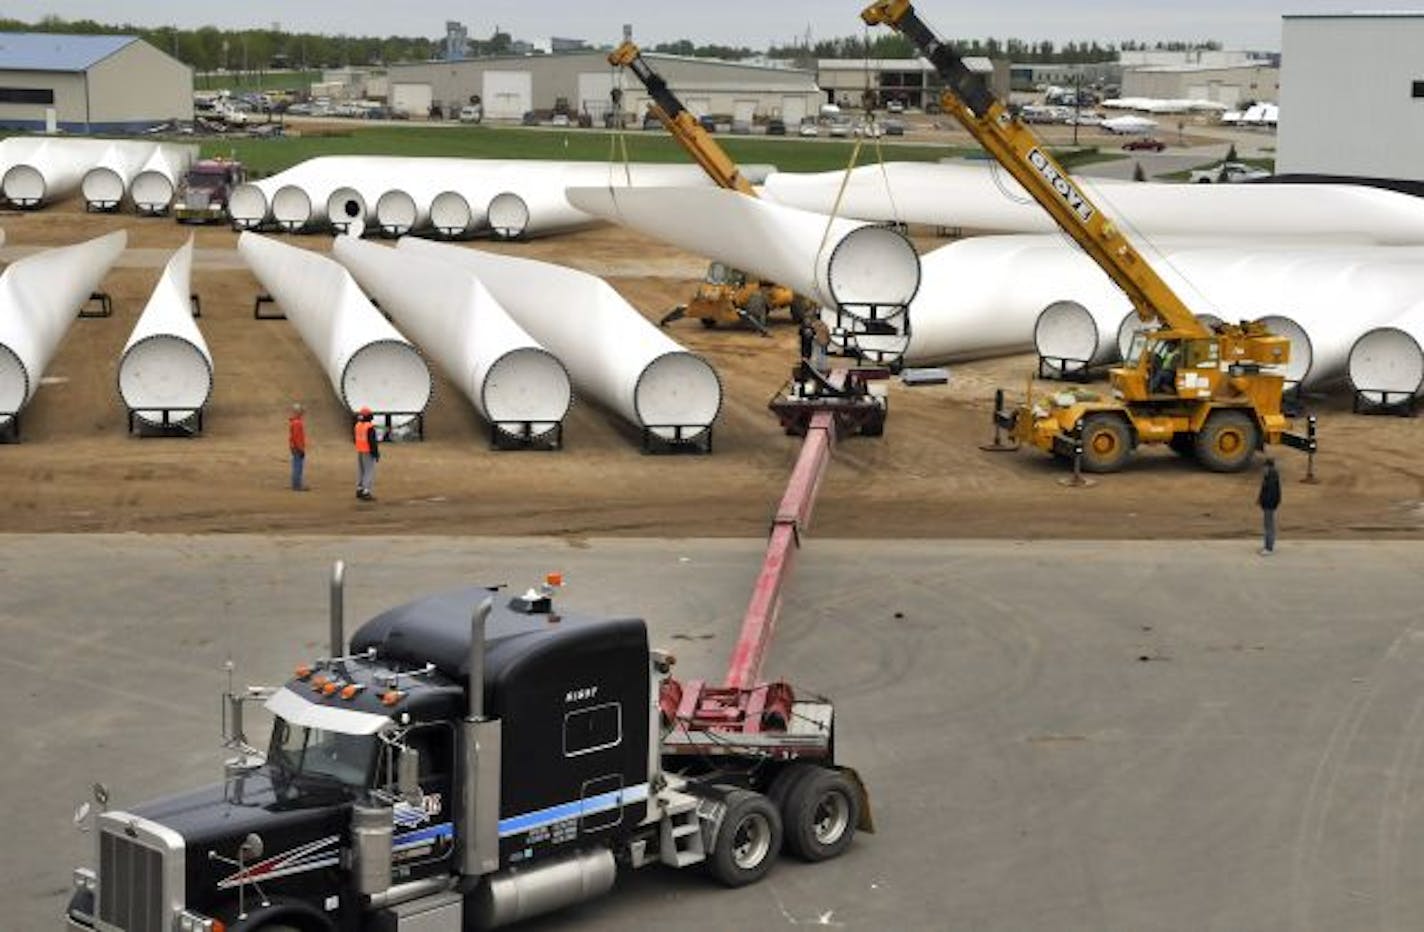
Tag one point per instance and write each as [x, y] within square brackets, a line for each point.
[194, 922]
[85, 879]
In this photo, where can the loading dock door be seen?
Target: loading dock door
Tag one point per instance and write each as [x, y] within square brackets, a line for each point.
[793, 110]
[411, 99]
[507, 94]
[743, 111]
[593, 91]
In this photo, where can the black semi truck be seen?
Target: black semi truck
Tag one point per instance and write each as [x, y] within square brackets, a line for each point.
[469, 761]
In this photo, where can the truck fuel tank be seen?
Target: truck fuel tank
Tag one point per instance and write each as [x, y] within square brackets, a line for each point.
[371, 832]
[517, 894]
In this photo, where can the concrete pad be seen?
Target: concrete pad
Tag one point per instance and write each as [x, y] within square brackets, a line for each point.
[1136, 736]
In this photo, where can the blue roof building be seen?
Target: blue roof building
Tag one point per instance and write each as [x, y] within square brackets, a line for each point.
[89, 83]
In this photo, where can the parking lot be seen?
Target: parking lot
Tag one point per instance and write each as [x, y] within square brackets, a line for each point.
[1077, 736]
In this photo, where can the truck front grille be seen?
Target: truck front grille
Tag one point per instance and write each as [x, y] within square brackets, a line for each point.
[130, 885]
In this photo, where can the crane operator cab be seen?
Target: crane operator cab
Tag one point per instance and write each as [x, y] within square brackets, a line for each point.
[1164, 361]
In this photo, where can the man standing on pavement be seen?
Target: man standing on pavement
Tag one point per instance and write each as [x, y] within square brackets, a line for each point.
[367, 454]
[1269, 499]
[297, 443]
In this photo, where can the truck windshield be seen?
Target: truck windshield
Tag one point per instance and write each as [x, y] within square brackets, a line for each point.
[301, 752]
[207, 180]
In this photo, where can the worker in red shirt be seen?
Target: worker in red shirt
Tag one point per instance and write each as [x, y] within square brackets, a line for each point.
[297, 443]
[367, 454]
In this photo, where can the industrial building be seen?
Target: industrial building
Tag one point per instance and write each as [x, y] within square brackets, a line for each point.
[1365, 120]
[1215, 58]
[510, 86]
[1038, 75]
[911, 81]
[89, 83]
[1230, 85]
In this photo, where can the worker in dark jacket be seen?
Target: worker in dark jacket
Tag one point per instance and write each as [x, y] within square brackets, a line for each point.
[368, 453]
[1269, 499]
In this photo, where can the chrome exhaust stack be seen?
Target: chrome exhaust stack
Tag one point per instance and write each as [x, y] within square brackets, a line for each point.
[482, 743]
[338, 610]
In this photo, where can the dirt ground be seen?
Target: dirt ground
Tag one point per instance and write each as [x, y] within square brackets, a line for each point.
[77, 469]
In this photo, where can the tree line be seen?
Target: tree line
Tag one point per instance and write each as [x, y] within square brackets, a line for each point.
[1014, 50]
[210, 48]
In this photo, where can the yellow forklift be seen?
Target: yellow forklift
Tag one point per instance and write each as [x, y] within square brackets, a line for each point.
[1214, 394]
[725, 295]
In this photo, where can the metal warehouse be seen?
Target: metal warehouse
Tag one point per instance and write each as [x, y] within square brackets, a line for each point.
[89, 83]
[1352, 95]
[911, 81]
[1231, 85]
[511, 85]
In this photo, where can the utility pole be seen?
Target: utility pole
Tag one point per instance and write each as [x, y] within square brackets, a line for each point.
[1077, 103]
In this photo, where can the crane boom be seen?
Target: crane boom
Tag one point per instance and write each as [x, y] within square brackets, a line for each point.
[680, 122]
[1013, 145]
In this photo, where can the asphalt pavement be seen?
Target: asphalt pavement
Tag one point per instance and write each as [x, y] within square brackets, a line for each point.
[1060, 736]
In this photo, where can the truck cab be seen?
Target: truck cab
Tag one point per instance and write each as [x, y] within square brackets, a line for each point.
[204, 191]
[461, 764]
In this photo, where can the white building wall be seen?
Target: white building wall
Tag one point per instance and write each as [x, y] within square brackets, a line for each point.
[1229, 86]
[1348, 104]
[138, 84]
[68, 89]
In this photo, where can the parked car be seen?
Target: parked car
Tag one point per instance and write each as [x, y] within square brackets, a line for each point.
[1226, 173]
[895, 106]
[472, 113]
[869, 129]
[708, 123]
[1145, 143]
[808, 127]
[839, 127]
[894, 127]
[776, 127]
[651, 122]
[559, 119]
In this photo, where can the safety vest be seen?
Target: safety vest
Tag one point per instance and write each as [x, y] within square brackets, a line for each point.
[363, 436]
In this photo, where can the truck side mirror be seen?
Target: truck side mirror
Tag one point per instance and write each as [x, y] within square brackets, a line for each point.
[408, 776]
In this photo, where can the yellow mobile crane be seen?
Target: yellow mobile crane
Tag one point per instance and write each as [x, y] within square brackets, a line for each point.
[1212, 394]
[726, 295]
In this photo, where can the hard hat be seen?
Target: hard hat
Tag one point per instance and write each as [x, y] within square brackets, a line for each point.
[364, 410]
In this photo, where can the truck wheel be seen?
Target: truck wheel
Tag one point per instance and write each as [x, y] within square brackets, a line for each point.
[1227, 441]
[1107, 443]
[748, 839]
[820, 815]
[780, 787]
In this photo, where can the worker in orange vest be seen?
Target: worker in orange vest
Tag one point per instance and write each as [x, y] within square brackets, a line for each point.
[368, 453]
[297, 443]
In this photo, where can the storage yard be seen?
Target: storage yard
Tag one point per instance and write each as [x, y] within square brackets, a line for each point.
[78, 468]
[959, 470]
